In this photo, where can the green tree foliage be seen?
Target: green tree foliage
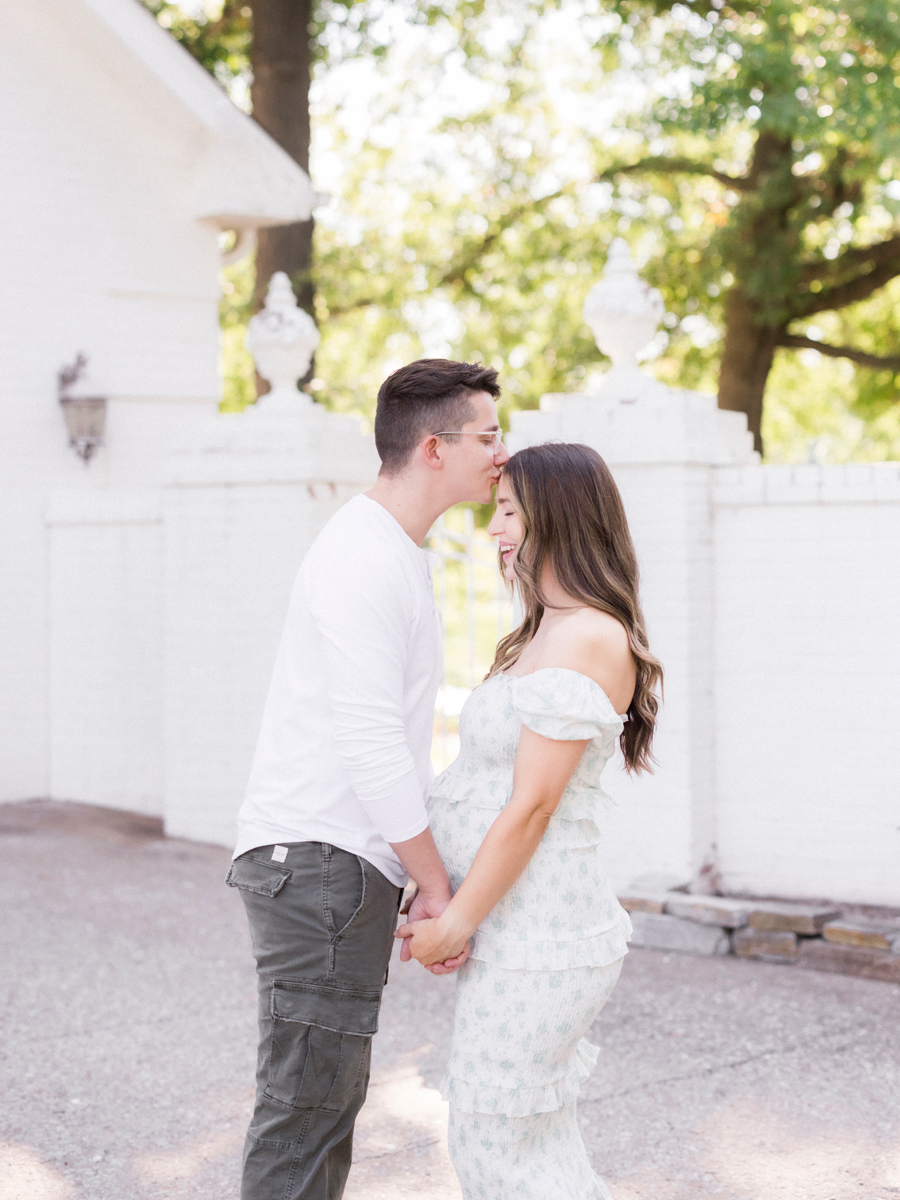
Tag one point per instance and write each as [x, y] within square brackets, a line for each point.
[790, 109]
[219, 36]
[219, 33]
[480, 239]
[475, 164]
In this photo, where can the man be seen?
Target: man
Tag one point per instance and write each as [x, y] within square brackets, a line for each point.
[334, 819]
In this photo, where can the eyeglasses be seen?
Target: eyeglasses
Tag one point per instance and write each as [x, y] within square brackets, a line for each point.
[489, 437]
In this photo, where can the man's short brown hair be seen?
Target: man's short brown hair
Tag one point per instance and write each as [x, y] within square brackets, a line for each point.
[427, 396]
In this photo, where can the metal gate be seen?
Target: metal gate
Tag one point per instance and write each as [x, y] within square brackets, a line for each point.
[475, 610]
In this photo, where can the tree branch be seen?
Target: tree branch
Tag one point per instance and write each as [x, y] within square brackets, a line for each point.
[797, 342]
[676, 166]
[851, 292]
[456, 272]
[349, 308]
[865, 257]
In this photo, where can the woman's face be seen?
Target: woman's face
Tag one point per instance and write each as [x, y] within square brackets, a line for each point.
[506, 526]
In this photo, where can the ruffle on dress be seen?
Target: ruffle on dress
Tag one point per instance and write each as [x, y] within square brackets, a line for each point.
[579, 803]
[518, 954]
[564, 705]
[522, 1101]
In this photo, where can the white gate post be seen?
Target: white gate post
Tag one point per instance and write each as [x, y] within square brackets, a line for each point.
[243, 502]
[662, 445]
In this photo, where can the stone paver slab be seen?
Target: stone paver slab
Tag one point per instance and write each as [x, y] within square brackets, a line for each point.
[871, 935]
[649, 902]
[778, 916]
[663, 932]
[768, 946]
[711, 910]
[819, 955]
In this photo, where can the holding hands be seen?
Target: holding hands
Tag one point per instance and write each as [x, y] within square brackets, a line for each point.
[432, 936]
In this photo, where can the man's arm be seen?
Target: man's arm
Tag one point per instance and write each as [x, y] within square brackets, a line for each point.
[362, 608]
[361, 605]
[420, 857]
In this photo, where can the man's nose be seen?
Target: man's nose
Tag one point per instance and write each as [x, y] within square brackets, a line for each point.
[501, 458]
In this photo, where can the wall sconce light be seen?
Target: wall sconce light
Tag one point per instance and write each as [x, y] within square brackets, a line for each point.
[84, 412]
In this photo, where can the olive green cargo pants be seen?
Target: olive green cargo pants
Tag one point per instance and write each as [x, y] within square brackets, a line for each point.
[322, 923]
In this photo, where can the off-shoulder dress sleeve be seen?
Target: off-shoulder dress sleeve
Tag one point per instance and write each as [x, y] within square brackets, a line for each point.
[564, 705]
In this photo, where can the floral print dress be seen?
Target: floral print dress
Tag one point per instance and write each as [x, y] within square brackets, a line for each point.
[545, 959]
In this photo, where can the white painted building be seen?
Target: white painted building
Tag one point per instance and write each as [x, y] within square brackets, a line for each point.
[121, 162]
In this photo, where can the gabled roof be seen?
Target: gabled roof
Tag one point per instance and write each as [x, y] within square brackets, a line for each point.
[244, 178]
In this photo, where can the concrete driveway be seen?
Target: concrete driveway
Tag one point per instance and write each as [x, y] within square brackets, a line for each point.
[128, 1012]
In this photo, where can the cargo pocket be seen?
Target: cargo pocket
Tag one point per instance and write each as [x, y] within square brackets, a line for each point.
[257, 875]
[321, 1039]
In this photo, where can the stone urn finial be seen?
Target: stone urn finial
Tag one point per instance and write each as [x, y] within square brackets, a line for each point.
[282, 339]
[622, 310]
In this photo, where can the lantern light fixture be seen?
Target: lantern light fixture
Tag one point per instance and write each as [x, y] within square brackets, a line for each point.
[83, 409]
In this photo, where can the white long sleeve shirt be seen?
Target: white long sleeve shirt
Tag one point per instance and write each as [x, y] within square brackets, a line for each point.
[344, 750]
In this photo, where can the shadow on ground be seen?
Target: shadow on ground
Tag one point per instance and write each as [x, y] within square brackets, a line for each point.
[128, 1009]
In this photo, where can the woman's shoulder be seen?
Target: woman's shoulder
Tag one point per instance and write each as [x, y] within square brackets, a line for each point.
[585, 635]
[594, 644]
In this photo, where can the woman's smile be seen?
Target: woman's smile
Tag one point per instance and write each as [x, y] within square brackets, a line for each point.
[506, 526]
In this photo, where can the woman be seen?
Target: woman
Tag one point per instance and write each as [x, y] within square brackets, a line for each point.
[516, 818]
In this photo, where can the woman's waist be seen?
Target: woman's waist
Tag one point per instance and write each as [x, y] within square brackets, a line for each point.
[583, 799]
[566, 846]
[460, 781]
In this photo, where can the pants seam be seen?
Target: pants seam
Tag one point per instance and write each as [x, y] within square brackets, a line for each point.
[292, 1173]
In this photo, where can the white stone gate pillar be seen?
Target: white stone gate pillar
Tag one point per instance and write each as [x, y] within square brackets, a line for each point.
[242, 504]
[662, 445]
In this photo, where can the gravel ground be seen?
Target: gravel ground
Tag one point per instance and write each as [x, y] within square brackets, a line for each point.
[128, 1014]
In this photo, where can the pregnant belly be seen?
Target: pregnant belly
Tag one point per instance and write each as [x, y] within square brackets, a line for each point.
[458, 832]
[562, 896]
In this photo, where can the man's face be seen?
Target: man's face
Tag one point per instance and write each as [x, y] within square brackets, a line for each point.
[473, 464]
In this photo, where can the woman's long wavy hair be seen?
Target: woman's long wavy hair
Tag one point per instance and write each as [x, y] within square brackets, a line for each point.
[574, 522]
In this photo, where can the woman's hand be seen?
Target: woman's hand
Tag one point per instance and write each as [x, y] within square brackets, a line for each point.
[436, 943]
[419, 907]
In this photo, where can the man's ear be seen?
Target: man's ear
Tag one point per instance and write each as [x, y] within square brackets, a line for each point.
[431, 451]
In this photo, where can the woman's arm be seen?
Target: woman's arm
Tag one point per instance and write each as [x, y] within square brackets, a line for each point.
[543, 768]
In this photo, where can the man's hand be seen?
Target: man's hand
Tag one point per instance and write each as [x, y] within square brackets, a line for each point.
[436, 943]
[419, 906]
[420, 857]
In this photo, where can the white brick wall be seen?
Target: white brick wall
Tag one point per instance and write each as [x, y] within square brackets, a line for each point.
[105, 678]
[808, 681]
[771, 596]
[242, 506]
[104, 256]
[666, 821]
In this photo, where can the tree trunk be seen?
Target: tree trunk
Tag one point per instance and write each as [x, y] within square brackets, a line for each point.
[280, 60]
[746, 361]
